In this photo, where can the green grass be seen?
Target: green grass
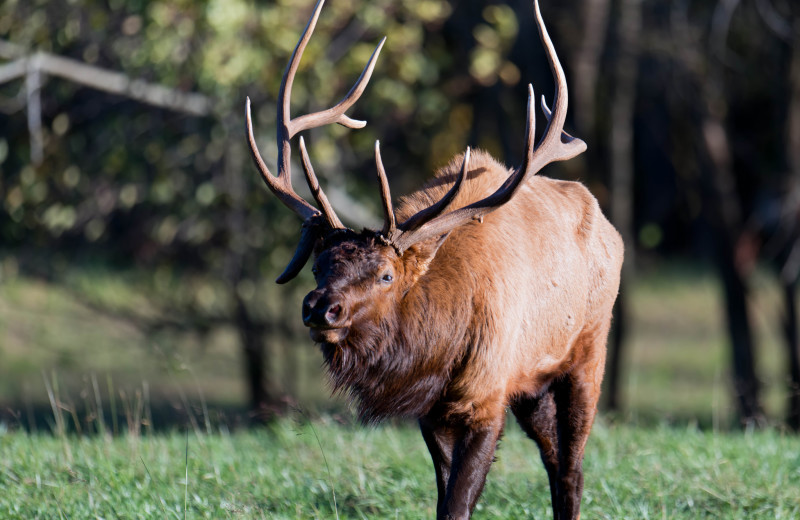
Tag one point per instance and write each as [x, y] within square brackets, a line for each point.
[385, 472]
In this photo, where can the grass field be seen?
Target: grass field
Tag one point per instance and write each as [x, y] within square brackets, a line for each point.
[294, 470]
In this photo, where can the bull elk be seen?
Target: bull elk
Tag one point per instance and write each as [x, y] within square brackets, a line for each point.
[488, 288]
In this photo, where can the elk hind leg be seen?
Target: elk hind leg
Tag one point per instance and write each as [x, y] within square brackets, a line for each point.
[559, 420]
[537, 417]
[576, 395]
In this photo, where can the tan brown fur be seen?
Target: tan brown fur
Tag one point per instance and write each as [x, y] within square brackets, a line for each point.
[523, 266]
[511, 311]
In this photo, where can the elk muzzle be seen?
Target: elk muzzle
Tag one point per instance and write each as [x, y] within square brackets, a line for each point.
[326, 315]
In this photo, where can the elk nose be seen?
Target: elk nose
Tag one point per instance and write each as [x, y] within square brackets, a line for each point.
[320, 310]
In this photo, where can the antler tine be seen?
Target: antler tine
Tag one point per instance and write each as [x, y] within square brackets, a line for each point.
[565, 137]
[281, 186]
[420, 218]
[284, 135]
[335, 114]
[288, 127]
[389, 222]
[530, 135]
[555, 145]
[552, 146]
[316, 191]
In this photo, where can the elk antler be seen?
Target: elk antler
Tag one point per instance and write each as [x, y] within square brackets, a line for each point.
[390, 225]
[281, 185]
[555, 145]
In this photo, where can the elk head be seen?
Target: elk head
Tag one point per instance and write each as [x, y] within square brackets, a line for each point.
[362, 275]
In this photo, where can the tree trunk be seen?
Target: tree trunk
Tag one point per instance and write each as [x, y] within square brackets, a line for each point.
[725, 216]
[793, 350]
[586, 62]
[251, 333]
[745, 381]
[622, 172]
[33, 87]
[252, 338]
[790, 270]
[614, 364]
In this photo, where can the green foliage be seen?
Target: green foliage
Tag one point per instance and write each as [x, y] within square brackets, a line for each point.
[386, 473]
[126, 184]
[136, 179]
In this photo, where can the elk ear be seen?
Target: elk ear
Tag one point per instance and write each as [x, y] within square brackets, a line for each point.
[308, 238]
[422, 253]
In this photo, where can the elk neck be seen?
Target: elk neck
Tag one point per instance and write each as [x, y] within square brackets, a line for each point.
[400, 363]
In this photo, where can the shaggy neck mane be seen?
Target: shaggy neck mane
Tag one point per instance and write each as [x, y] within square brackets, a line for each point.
[400, 365]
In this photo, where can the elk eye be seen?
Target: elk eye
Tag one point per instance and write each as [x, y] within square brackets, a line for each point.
[387, 278]
[314, 270]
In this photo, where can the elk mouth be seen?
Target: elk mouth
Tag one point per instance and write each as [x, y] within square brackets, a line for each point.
[328, 335]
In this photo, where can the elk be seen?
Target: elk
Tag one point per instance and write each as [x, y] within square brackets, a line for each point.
[488, 288]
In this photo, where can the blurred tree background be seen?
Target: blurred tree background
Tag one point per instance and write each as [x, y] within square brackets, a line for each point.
[149, 218]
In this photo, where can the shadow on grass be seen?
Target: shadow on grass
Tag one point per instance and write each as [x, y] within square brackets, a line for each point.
[164, 416]
[157, 417]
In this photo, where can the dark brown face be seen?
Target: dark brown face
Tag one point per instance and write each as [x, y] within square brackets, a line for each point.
[357, 278]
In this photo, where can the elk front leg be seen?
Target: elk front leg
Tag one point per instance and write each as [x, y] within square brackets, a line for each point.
[472, 456]
[440, 440]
